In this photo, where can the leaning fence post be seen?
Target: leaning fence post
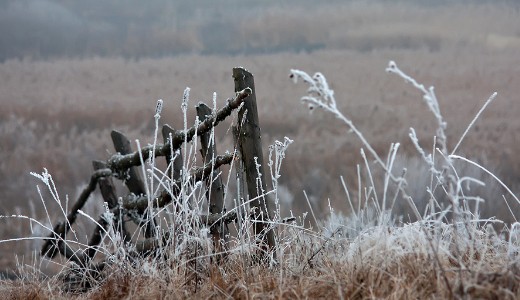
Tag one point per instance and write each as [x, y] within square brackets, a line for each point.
[167, 133]
[108, 192]
[133, 181]
[250, 145]
[214, 184]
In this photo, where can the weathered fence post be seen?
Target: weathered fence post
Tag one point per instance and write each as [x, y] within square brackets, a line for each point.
[133, 181]
[215, 194]
[108, 192]
[168, 133]
[250, 145]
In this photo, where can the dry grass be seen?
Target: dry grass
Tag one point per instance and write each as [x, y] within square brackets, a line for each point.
[382, 262]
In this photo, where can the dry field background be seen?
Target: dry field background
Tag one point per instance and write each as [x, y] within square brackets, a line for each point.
[57, 114]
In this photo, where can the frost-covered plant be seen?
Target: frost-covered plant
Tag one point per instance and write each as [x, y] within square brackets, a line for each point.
[447, 176]
[278, 149]
[462, 242]
[320, 95]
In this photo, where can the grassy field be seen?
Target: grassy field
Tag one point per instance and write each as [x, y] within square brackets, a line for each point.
[58, 115]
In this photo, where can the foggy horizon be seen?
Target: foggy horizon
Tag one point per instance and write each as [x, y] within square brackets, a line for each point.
[48, 29]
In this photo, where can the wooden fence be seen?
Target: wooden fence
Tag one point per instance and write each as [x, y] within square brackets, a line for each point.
[124, 166]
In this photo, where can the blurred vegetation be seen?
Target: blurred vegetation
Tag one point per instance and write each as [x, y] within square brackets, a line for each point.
[54, 28]
[43, 29]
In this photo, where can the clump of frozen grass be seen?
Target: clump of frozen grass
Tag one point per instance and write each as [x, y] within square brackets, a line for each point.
[369, 230]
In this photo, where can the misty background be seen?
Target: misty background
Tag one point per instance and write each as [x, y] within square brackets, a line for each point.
[47, 29]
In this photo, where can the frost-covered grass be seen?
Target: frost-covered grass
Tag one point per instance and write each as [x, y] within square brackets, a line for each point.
[442, 249]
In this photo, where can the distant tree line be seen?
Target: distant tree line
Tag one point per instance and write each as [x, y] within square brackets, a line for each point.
[58, 28]
[46, 29]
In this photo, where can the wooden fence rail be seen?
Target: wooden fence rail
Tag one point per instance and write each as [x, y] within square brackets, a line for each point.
[124, 166]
